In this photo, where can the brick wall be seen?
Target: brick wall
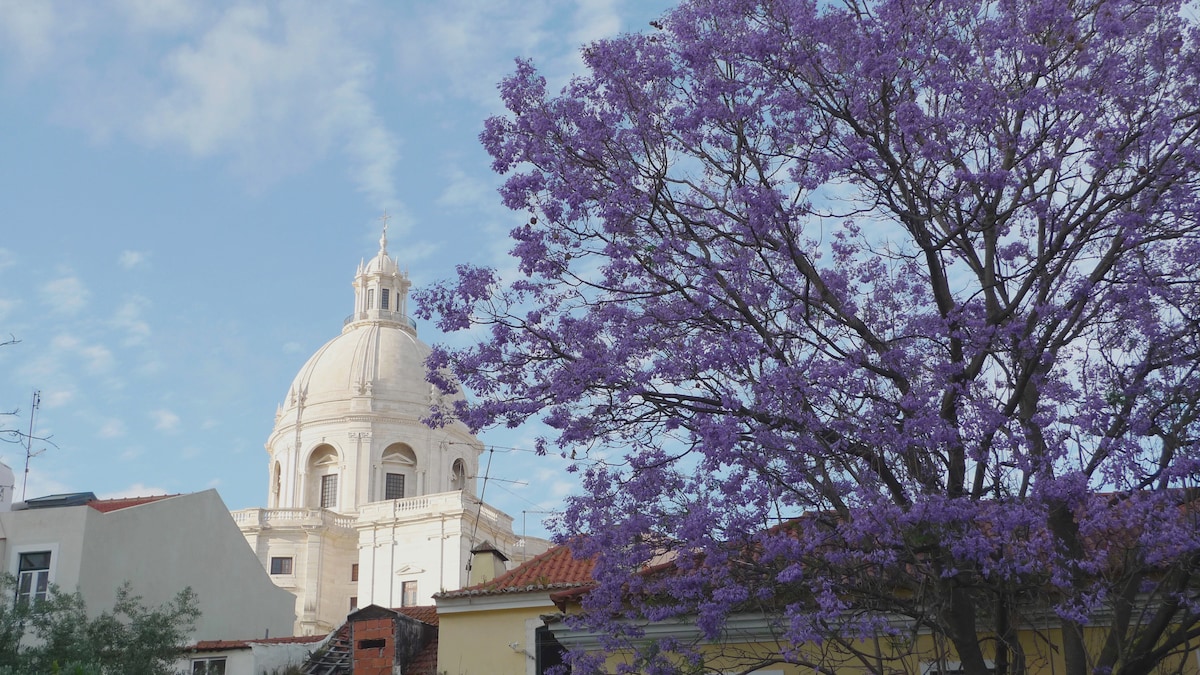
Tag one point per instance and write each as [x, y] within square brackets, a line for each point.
[374, 646]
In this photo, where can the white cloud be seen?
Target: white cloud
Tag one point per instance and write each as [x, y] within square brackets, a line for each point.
[6, 306]
[128, 319]
[274, 89]
[164, 420]
[466, 191]
[98, 358]
[134, 490]
[111, 428]
[26, 32]
[595, 19]
[157, 15]
[131, 259]
[38, 485]
[58, 397]
[66, 294]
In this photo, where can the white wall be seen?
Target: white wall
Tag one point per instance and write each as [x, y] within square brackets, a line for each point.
[160, 547]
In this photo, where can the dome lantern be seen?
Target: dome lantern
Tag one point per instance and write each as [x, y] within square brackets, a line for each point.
[381, 290]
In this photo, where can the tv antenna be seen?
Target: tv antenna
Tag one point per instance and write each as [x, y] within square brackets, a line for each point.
[29, 453]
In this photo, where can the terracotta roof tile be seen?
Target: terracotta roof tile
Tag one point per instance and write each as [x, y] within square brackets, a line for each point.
[107, 505]
[423, 613]
[556, 569]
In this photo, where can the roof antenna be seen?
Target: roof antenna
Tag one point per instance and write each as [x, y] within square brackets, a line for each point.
[29, 454]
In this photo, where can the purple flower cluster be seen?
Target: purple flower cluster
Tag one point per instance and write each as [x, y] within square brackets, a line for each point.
[890, 310]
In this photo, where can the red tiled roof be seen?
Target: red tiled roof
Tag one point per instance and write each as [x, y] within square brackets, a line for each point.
[220, 645]
[423, 613]
[107, 505]
[553, 570]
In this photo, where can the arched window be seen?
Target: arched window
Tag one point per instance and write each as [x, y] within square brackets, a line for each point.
[323, 477]
[458, 475]
[399, 471]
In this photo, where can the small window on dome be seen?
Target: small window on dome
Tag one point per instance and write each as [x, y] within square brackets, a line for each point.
[370, 298]
[383, 298]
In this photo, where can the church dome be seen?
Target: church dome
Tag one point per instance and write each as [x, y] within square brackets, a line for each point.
[375, 367]
[375, 359]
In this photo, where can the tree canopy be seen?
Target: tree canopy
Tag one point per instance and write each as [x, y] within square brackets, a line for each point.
[864, 309]
[57, 635]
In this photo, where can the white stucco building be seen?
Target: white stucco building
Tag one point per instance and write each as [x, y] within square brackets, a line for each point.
[160, 545]
[365, 503]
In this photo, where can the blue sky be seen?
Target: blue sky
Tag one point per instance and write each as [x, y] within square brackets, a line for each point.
[187, 187]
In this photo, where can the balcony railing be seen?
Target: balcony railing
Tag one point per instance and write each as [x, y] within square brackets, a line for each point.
[296, 517]
[392, 508]
[381, 315]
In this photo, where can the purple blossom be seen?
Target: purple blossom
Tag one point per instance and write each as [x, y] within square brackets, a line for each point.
[888, 311]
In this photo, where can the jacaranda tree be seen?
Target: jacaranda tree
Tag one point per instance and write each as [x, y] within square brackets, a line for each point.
[879, 318]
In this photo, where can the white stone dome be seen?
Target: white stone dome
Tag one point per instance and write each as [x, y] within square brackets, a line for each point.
[380, 360]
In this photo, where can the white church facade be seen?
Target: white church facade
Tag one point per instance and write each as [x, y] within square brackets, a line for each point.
[366, 504]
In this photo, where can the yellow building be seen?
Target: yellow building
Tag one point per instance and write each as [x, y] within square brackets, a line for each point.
[496, 627]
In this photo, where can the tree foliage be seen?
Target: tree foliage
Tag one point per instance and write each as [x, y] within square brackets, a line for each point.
[888, 309]
[57, 635]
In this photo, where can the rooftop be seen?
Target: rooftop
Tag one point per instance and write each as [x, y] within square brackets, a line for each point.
[221, 645]
[556, 569]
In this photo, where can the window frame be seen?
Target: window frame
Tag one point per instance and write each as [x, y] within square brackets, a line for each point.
[287, 565]
[206, 663]
[388, 477]
[408, 593]
[329, 486]
[14, 563]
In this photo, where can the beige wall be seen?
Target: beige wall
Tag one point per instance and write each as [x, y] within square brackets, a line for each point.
[492, 636]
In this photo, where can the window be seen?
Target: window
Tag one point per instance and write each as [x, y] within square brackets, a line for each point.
[383, 298]
[329, 491]
[408, 592]
[393, 486]
[354, 572]
[458, 475]
[281, 565]
[370, 298]
[213, 666]
[33, 577]
[549, 652]
[353, 602]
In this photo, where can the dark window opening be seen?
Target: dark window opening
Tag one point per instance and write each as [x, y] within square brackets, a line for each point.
[281, 565]
[393, 486]
[33, 577]
[329, 491]
[548, 651]
[383, 298]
